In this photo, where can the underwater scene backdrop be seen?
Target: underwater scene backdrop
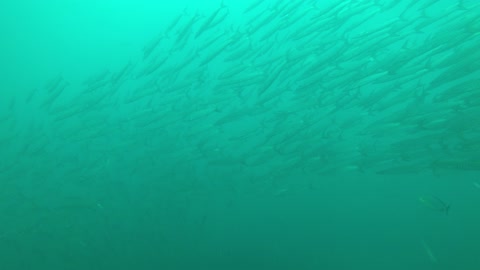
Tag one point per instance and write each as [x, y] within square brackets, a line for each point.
[265, 134]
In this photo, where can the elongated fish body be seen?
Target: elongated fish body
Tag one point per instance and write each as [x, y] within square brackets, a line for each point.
[429, 252]
[435, 203]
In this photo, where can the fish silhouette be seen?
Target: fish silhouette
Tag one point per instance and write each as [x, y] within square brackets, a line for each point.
[435, 203]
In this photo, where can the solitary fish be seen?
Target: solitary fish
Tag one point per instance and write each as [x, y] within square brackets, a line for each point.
[429, 252]
[435, 203]
[476, 184]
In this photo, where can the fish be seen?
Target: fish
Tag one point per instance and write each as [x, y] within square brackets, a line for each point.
[318, 88]
[435, 204]
[429, 252]
[209, 22]
[476, 184]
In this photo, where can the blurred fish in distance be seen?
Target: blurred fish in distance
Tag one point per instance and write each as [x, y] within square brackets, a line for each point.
[429, 251]
[435, 204]
[476, 184]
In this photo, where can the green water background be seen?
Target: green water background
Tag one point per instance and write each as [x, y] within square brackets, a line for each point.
[121, 221]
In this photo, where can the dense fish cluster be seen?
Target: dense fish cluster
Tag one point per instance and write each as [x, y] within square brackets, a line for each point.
[292, 88]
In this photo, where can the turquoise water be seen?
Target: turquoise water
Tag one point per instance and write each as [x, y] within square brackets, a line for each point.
[264, 135]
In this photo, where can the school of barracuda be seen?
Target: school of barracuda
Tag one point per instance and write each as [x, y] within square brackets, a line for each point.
[295, 87]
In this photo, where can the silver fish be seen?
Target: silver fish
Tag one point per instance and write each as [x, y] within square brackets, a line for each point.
[435, 203]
